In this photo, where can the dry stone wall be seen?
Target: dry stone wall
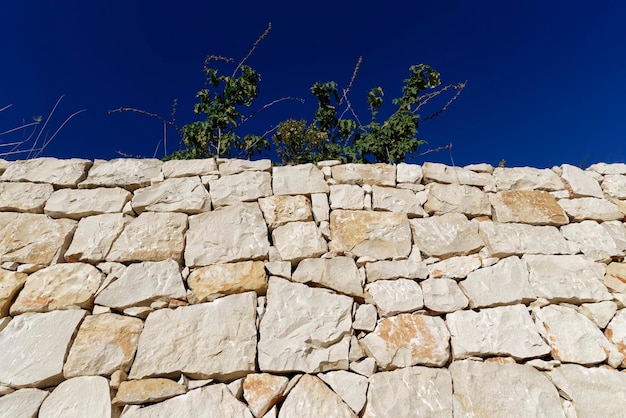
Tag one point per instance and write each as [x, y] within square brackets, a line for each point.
[229, 288]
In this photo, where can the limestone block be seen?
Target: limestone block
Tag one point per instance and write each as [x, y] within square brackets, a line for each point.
[298, 240]
[33, 347]
[392, 297]
[243, 187]
[616, 333]
[457, 198]
[604, 168]
[443, 295]
[397, 200]
[346, 196]
[408, 339]
[337, 273]
[409, 173]
[411, 392]
[211, 282]
[189, 168]
[133, 392]
[321, 209]
[388, 269]
[311, 395]
[94, 237]
[615, 185]
[599, 313]
[591, 208]
[356, 352]
[372, 174]
[440, 173]
[303, 179]
[365, 317]
[304, 329]
[185, 194]
[379, 235]
[366, 367]
[455, 267]
[617, 231]
[505, 283]
[278, 268]
[350, 386]
[190, 340]
[278, 210]
[230, 166]
[24, 197]
[143, 283]
[572, 336]
[76, 204]
[152, 236]
[503, 240]
[59, 286]
[59, 173]
[23, 403]
[501, 331]
[446, 235]
[480, 168]
[527, 178]
[581, 183]
[615, 277]
[128, 173]
[86, 396]
[262, 391]
[11, 283]
[532, 207]
[594, 241]
[229, 233]
[33, 238]
[3, 165]
[493, 389]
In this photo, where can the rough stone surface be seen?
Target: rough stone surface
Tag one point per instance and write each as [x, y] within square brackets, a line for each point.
[457, 198]
[135, 392]
[616, 332]
[604, 168]
[387, 269]
[365, 317]
[243, 187]
[372, 174]
[320, 207]
[76, 204]
[23, 403]
[128, 173]
[444, 174]
[409, 173]
[527, 178]
[24, 197]
[531, 207]
[278, 210]
[346, 196]
[446, 236]
[188, 168]
[59, 173]
[599, 313]
[581, 183]
[617, 231]
[11, 283]
[503, 240]
[591, 208]
[231, 166]
[299, 319]
[337, 273]
[211, 282]
[86, 396]
[615, 277]
[615, 186]
[185, 194]
[392, 297]
[94, 237]
[262, 391]
[443, 295]
[455, 267]
[594, 241]
[302, 179]
[350, 386]
[314, 397]
[295, 241]
[396, 200]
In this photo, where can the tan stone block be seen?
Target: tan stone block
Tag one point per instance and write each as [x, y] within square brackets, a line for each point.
[133, 392]
[532, 207]
[11, 282]
[24, 197]
[208, 283]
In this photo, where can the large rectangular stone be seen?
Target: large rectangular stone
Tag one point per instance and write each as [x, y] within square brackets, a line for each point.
[503, 240]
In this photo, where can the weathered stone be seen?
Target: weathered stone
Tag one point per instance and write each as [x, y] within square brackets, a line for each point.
[32, 238]
[379, 235]
[104, 344]
[3, 165]
[615, 277]
[501, 331]
[314, 397]
[185, 194]
[594, 241]
[76, 204]
[616, 333]
[337, 273]
[11, 283]
[303, 179]
[532, 207]
[604, 168]
[617, 231]
[188, 168]
[409, 173]
[59, 173]
[365, 317]
[60, 286]
[135, 392]
[24, 197]
[346, 196]
[94, 237]
[262, 391]
[23, 403]
[128, 173]
[591, 208]
[278, 210]
[505, 283]
[295, 241]
[211, 282]
[151, 236]
[446, 235]
[527, 178]
[356, 352]
[599, 313]
[304, 329]
[457, 198]
[454, 267]
[232, 166]
[229, 233]
[392, 297]
[86, 396]
[190, 340]
[372, 174]
[397, 200]
[24, 359]
[387, 269]
[319, 203]
[243, 187]
[413, 391]
[440, 173]
[144, 283]
[408, 339]
[493, 389]
[278, 268]
[580, 182]
[443, 295]
[503, 240]
[350, 386]
[615, 185]
[366, 367]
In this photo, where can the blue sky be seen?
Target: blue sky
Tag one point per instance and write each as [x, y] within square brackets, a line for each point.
[546, 79]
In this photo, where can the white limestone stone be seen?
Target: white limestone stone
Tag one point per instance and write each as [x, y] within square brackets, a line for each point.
[24, 197]
[211, 282]
[278, 210]
[501, 331]
[128, 173]
[615, 277]
[190, 340]
[27, 362]
[304, 329]
[443, 295]
[229, 166]
[94, 237]
[615, 185]
[184, 194]
[313, 398]
[144, 283]
[397, 200]
[409, 173]
[581, 183]
[446, 235]
[320, 207]
[189, 168]
[134, 392]
[392, 297]
[229, 233]
[455, 267]
[599, 313]
[243, 187]
[337, 273]
[617, 231]
[279, 268]
[503, 240]
[366, 367]
[365, 317]
[351, 387]
[480, 168]
[86, 396]
[591, 208]
[456, 198]
[534, 207]
[616, 333]
[76, 204]
[262, 391]
[594, 241]
[59, 173]
[11, 283]
[302, 179]
[408, 339]
[604, 168]
[372, 174]
[440, 173]
[527, 178]
[23, 403]
[346, 196]
[356, 352]
[388, 269]
[295, 241]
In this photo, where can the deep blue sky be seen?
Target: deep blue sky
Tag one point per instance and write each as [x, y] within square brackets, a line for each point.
[546, 79]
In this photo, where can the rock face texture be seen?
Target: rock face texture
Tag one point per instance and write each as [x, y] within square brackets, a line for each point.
[231, 288]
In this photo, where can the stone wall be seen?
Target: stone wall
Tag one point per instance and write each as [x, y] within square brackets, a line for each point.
[233, 288]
